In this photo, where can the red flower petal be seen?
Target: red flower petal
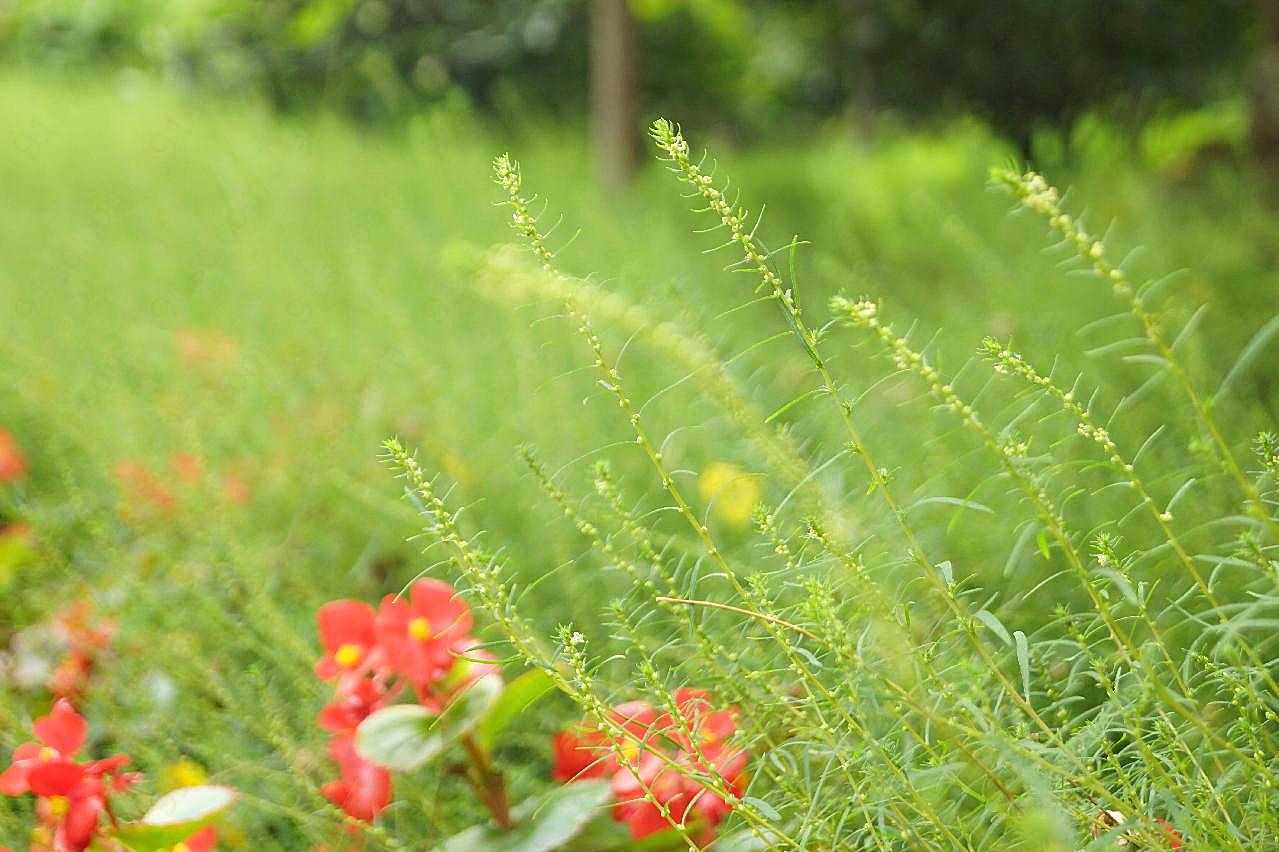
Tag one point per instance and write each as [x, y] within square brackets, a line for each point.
[346, 623]
[441, 607]
[586, 755]
[57, 777]
[365, 789]
[80, 824]
[202, 841]
[108, 765]
[63, 729]
[13, 781]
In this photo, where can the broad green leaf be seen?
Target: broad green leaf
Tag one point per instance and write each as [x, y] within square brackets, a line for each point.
[515, 699]
[175, 817]
[543, 823]
[406, 736]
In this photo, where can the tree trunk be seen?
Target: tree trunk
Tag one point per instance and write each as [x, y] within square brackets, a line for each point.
[1265, 84]
[613, 97]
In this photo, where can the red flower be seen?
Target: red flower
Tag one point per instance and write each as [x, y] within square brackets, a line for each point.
[13, 464]
[72, 795]
[61, 734]
[664, 755]
[421, 637]
[689, 802]
[586, 752]
[364, 790]
[353, 706]
[349, 637]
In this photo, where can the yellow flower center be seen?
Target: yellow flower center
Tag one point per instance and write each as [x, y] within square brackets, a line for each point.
[58, 806]
[420, 628]
[348, 655]
[48, 753]
[182, 847]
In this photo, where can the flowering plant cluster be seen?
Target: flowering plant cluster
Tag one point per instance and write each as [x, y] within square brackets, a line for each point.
[651, 771]
[374, 656]
[653, 761]
[73, 796]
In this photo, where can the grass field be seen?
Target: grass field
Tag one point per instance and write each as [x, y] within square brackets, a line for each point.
[247, 305]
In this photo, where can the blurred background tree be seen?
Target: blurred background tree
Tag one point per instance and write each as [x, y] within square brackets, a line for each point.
[738, 67]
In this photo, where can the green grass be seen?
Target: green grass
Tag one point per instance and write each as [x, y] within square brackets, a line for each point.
[347, 268]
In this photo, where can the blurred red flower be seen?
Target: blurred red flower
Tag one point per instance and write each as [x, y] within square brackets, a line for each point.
[364, 790]
[13, 464]
[85, 639]
[352, 706]
[142, 489]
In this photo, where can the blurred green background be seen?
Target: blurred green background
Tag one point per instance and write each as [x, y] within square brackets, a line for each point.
[261, 234]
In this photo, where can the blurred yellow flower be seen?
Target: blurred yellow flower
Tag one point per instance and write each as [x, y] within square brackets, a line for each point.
[184, 773]
[731, 492]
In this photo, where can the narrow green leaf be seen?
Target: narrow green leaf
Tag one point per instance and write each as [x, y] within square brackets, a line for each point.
[953, 501]
[1042, 541]
[406, 736]
[767, 810]
[794, 268]
[799, 333]
[987, 618]
[794, 402]
[1023, 660]
[514, 700]
[1248, 355]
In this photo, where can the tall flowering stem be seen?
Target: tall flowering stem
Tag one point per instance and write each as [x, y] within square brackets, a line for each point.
[1037, 195]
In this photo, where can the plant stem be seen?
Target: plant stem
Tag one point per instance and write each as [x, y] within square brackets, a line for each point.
[490, 786]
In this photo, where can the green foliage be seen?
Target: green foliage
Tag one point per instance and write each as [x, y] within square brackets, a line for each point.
[544, 824]
[276, 297]
[750, 65]
[924, 724]
[175, 817]
[406, 736]
[517, 697]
